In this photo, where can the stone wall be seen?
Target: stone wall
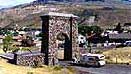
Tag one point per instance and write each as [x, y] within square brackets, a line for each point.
[30, 59]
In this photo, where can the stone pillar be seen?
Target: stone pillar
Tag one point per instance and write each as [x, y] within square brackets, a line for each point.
[54, 24]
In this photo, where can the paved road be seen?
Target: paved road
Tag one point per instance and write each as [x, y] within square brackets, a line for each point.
[108, 69]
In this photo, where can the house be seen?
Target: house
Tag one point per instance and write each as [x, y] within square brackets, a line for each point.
[81, 40]
[127, 26]
[121, 38]
[125, 36]
[112, 32]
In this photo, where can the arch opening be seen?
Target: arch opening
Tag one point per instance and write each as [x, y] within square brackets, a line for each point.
[64, 46]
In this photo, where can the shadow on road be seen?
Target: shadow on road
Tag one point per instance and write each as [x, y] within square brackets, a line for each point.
[82, 65]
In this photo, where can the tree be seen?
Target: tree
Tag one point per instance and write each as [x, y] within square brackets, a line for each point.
[7, 42]
[1, 31]
[15, 33]
[89, 32]
[15, 49]
[84, 30]
[118, 28]
[28, 42]
[96, 29]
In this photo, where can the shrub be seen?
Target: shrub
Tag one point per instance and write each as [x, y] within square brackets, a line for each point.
[98, 52]
[57, 68]
[71, 69]
[30, 73]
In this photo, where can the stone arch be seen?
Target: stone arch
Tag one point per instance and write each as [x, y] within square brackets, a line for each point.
[66, 45]
[53, 24]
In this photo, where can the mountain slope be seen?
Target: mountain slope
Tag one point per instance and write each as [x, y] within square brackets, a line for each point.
[29, 14]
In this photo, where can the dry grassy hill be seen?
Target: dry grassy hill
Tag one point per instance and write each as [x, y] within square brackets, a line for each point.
[118, 55]
[28, 15]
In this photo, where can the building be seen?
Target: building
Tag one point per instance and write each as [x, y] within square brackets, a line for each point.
[127, 26]
[81, 39]
[117, 39]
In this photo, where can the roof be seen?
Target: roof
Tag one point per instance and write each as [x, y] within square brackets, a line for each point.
[120, 36]
[59, 14]
[93, 55]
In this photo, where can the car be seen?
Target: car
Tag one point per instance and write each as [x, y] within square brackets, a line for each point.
[92, 59]
[127, 43]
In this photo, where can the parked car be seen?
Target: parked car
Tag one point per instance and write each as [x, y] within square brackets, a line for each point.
[127, 43]
[92, 60]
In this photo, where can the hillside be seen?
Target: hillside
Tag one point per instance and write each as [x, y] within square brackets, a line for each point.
[28, 14]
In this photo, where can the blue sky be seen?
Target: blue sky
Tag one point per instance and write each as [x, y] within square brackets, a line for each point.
[6, 3]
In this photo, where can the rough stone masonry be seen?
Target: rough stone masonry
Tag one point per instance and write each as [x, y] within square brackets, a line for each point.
[54, 24]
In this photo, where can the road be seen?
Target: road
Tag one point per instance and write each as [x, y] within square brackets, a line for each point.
[108, 69]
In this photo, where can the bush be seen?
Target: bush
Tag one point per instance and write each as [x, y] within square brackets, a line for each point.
[30, 73]
[57, 68]
[71, 69]
[99, 52]
[37, 64]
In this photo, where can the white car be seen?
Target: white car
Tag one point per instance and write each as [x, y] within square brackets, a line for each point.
[127, 43]
[92, 59]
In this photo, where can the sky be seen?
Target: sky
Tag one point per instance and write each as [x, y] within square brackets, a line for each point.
[6, 3]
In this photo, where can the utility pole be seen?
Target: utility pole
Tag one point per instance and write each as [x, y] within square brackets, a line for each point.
[90, 49]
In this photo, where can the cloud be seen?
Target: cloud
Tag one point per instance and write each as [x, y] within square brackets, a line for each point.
[13, 2]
